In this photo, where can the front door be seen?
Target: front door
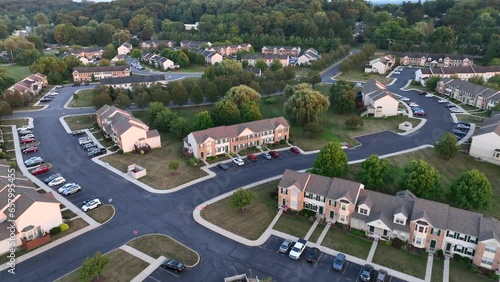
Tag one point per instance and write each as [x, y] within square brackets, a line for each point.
[284, 202]
[332, 214]
[385, 232]
[320, 210]
[433, 244]
[202, 155]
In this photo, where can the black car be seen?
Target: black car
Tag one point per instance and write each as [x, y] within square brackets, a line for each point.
[46, 99]
[223, 166]
[76, 84]
[78, 132]
[458, 132]
[52, 177]
[97, 152]
[172, 264]
[89, 146]
[313, 255]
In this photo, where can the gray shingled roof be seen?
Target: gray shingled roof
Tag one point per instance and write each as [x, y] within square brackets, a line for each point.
[489, 228]
[292, 177]
[99, 69]
[433, 212]
[264, 57]
[463, 221]
[133, 79]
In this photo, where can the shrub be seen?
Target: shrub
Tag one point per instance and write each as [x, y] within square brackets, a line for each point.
[457, 257]
[314, 129]
[193, 162]
[64, 227]
[3, 155]
[2, 145]
[397, 243]
[232, 154]
[270, 100]
[354, 122]
[339, 225]
[311, 218]
[493, 275]
[387, 242]
[466, 260]
[211, 158]
[56, 230]
[307, 213]
[440, 254]
[282, 141]
[357, 232]
[13, 165]
[120, 151]
[474, 268]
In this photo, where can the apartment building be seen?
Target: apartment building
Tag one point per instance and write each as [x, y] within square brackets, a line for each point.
[422, 223]
[128, 82]
[33, 83]
[268, 59]
[229, 50]
[98, 73]
[281, 50]
[155, 43]
[233, 138]
[463, 73]
[435, 60]
[379, 101]
[469, 93]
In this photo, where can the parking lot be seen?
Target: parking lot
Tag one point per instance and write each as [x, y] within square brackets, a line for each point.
[283, 154]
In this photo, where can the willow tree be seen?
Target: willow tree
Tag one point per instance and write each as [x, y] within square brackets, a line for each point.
[305, 105]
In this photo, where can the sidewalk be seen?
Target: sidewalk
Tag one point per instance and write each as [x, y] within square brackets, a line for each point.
[372, 250]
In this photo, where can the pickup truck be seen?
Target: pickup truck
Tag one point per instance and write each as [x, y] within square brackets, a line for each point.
[297, 249]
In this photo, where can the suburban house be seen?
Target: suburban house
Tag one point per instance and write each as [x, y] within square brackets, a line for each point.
[158, 61]
[194, 44]
[88, 52]
[33, 83]
[435, 60]
[256, 71]
[281, 50]
[155, 43]
[127, 82]
[252, 59]
[124, 49]
[118, 58]
[233, 138]
[309, 56]
[379, 101]
[211, 57]
[126, 131]
[192, 26]
[486, 141]
[469, 93]
[424, 224]
[98, 73]
[380, 65]
[23, 32]
[464, 73]
[35, 213]
[230, 50]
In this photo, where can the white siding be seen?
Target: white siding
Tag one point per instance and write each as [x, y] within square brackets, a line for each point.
[483, 146]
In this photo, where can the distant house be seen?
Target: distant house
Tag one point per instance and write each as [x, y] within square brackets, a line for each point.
[126, 131]
[118, 58]
[127, 82]
[435, 60]
[252, 59]
[211, 57]
[233, 138]
[463, 73]
[188, 44]
[379, 101]
[256, 71]
[309, 56]
[158, 61]
[281, 50]
[86, 73]
[469, 93]
[33, 83]
[192, 26]
[23, 32]
[124, 49]
[155, 43]
[230, 50]
[380, 65]
[486, 141]
[35, 213]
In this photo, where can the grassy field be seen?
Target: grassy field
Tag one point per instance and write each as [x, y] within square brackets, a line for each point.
[295, 225]
[341, 241]
[334, 126]
[80, 122]
[251, 222]
[469, 118]
[84, 99]
[360, 76]
[458, 272]
[102, 214]
[17, 72]
[160, 245]
[122, 267]
[316, 233]
[16, 122]
[401, 260]
[193, 68]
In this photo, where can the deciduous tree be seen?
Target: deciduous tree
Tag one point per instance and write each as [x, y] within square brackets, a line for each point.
[173, 165]
[331, 161]
[101, 99]
[276, 65]
[250, 111]
[122, 101]
[241, 95]
[14, 99]
[306, 106]
[472, 190]
[241, 198]
[225, 112]
[261, 64]
[180, 127]
[154, 109]
[180, 94]
[446, 147]
[343, 97]
[163, 120]
[421, 179]
[202, 120]
[431, 82]
[374, 172]
[142, 99]
[197, 95]
[92, 267]
[5, 109]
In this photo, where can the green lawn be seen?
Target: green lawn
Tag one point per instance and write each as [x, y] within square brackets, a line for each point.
[102, 214]
[16, 122]
[316, 233]
[295, 225]
[400, 260]
[333, 124]
[362, 77]
[251, 222]
[193, 68]
[341, 241]
[81, 122]
[161, 245]
[84, 99]
[458, 272]
[17, 72]
[470, 118]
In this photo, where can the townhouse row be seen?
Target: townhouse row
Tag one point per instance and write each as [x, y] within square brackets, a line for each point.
[469, 93]
[421, 223]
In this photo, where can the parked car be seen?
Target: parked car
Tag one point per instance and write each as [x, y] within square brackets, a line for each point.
[25, 132]
[90, 145]
[366, 273]
[459, 137]
[266, 155]
[429, 95]
[33, 161]
[396, 72]
[91, 204]
[84, 138]
[46, 99]
[413, 104]
[28, 140]
[442, 101]
[297, 249]
[463, 126]
[422, 93]
[339, 262]
[78, 132]
[24, 127]
[458, 132]
[285, 246]
[32, 149]
[223, 166]
[313, 255]
[28, 136]
[85, 142]
[455, 110]
[450, 105]
[65, 186]
[238, 162]
[59, 86]
[274, 154]
[404, 99]
[295, 150]
[57, 181]
[172, 264]
[252, 158]
[381, 276]
[52, 177]
[464, 123]
[40, 170]
[76, 84]
[72, 190]
[419, 114]
[97, 152]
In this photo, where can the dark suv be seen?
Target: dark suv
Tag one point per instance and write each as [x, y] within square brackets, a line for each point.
[97, 152]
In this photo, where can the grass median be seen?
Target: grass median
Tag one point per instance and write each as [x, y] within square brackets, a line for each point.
[251, 222]
[400, 260]
[102, 214]
[339, 240]
[84, 99]
[81, 121]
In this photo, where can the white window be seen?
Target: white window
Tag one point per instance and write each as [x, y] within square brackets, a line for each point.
[497, 155]
[491, 248]
[419, 240]
[363, 211]
[343, 207]
[399, 220]
[488, 261]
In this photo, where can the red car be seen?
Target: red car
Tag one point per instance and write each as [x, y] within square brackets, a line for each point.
[26, 141]
[295, 150]
[274, 154]
[30, 150]
[419, 114]
[252, 158]
[40, 170]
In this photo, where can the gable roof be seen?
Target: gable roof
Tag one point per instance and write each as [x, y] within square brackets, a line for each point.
[376, 90]
[264, 57]
[100, 69]
[133, 79]
[491, 124]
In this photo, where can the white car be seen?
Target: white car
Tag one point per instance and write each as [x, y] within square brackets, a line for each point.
[414, 105]
[238, 162]
[90, 205]
[65, 186]
[442, 101]
[72, 190]
[57, 181]
[86, 141]
[404, 99]
[455, 110]
[429, 95]
[59, 86]
[28, 136]
[24, 127]
[297, 249]
[396, 72]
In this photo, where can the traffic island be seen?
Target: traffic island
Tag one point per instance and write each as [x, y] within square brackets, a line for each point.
[102, 214]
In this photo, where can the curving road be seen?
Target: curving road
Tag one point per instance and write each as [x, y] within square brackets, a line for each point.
[172, 213]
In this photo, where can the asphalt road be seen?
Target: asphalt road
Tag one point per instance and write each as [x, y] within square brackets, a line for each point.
[172, 214]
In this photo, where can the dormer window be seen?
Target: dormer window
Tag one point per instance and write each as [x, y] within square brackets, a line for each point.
[400, 220]
[363, 211]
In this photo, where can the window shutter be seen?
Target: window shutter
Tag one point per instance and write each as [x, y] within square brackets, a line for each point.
[439, 232]
[335, 203]
[432, 231]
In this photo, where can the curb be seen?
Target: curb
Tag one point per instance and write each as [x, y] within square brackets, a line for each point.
[114, 213]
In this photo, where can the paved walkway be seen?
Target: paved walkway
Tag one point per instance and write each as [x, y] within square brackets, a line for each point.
[148, 270]
[372, 250]
[428, 270]
[136, 253]
[311, 230]
[323, 234]
[446, 269]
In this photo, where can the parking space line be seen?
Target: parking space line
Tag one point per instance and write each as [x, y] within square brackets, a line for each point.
[154, 278]
[169, 272]
[345, 268]
[318, 260]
